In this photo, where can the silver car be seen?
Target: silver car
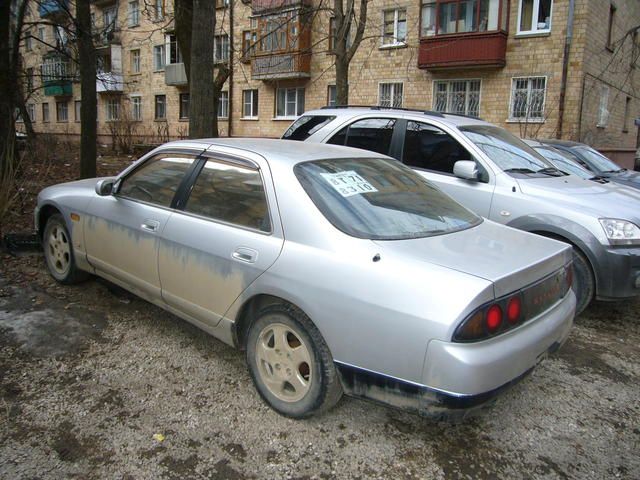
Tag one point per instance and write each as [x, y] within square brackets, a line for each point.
[336, 269]
[498, 176]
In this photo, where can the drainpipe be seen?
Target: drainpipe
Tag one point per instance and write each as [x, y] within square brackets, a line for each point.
[231, 52]
[565, 67]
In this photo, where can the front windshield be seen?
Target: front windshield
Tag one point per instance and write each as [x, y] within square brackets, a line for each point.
[507, 151]
[598, 161]
[380, 199]
[563, 163]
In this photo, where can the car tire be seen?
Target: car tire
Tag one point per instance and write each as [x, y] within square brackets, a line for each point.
[290, 363]
[583, 281]
[58, 252]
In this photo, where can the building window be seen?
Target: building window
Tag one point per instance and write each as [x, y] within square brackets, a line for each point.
[113, 109]
[222, 3]
[331, 95]
[134, 13]
[394, 28]
[158, 57]
[136, 107]
[158, 10]
[62, 111]
[612, 15]
[110, 16]
[161, 107]
[45, 112]
[249, 38]
[184, 105]
[28, 42]
[390, 95]
[31, 110]
[527, 98]
[603, 107]
[223, 105]
[76, 108]
[289, 102]
[627, 108]
[221, 48]
[42, 34]
[460, 16]
[29, 80]
[534, 16]
[250, 104]
[333, 33]
[135, 61]
[457, 96]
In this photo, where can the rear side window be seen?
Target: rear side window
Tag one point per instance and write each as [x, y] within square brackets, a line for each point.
[306, 126]
[430, 148]
[373, 134]
[157, 180]
[232, 194]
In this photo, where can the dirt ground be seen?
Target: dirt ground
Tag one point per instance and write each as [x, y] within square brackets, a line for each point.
[95, 383]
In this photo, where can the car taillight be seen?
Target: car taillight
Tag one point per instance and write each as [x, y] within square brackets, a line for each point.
[517, 307]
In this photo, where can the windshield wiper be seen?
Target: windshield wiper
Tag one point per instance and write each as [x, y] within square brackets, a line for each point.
[553, 171]
[519, 170]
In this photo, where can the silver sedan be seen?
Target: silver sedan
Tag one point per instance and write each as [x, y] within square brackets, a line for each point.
[335, 269]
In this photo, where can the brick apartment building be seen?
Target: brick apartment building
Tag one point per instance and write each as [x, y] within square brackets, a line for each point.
[501, 60]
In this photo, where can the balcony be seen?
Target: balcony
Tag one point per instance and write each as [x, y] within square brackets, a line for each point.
[281, 66]
[468, 50]
[175, 74]
[109, 82]
[107, 37]
[57, 78]
[52, 8]
[261, 7]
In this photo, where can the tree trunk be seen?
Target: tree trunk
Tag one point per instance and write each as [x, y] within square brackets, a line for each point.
[88, 107]
[202, 111]
[183, 14]
[342, 81]
[7, 126]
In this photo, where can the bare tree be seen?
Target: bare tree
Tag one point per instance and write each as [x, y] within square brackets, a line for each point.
[88, 107]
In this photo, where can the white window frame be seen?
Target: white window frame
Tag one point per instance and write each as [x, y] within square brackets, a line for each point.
[450, 81]
[158, 13]
[603, 107]
[62, 114]
[136, 107]
[112, 109]
[155, 107]
[163, 49]
[528, 119]
[334, 89]
[134, 13]
[135, 62]
[181, 115]
[393, 86]
[395, 42]
[77, 108]
[31, 111]
[46, 112]
[28, 42]
[253, 115]
[225, 47]
[297, 103]
[223, 104]
[534, 23]
[42, 33]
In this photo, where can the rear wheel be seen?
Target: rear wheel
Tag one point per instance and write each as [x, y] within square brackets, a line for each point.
[583, 281]
[58, 252]
[290, 363]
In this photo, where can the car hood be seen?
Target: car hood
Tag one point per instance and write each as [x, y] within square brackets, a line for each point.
[599, 200]
[511, 259]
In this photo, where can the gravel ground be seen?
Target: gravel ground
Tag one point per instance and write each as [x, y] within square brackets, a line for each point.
[95, 383]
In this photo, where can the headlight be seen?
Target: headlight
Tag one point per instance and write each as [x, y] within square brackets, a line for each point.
[620, 232]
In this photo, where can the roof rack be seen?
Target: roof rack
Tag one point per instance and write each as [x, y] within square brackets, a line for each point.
[378, 107]
[462, 115]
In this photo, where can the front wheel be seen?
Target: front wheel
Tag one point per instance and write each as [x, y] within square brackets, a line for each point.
[58, 252]
[290, 363]
[583, 281]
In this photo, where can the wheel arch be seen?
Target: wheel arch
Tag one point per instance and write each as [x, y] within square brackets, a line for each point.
[46, 211]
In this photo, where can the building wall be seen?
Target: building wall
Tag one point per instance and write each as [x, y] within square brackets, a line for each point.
[590, 65]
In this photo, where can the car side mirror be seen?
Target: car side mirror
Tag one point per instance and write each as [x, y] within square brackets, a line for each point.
[104, 187]
[466, 169]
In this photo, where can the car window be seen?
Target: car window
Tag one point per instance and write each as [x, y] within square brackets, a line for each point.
[373, 134]
[232, 194]
[380, 199]
[560, 160]
[599, 161]
[431, 148]
[306, 126]
[157, 180]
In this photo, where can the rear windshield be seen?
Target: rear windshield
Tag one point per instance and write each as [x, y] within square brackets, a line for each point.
[381, 199]
[306, 126]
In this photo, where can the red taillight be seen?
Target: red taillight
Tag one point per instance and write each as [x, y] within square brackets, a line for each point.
[493, 318]
[514, 309]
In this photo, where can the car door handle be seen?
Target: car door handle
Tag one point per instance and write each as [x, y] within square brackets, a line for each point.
[244, 254]
[150, 225]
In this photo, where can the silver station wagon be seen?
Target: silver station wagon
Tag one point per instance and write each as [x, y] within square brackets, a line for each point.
[335, 269]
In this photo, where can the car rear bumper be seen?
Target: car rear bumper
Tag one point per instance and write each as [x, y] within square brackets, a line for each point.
[619, 274]
[460, 376]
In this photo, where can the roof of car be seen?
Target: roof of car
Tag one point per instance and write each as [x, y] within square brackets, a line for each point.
[351, 111]
[562, 143]
[288, 151]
